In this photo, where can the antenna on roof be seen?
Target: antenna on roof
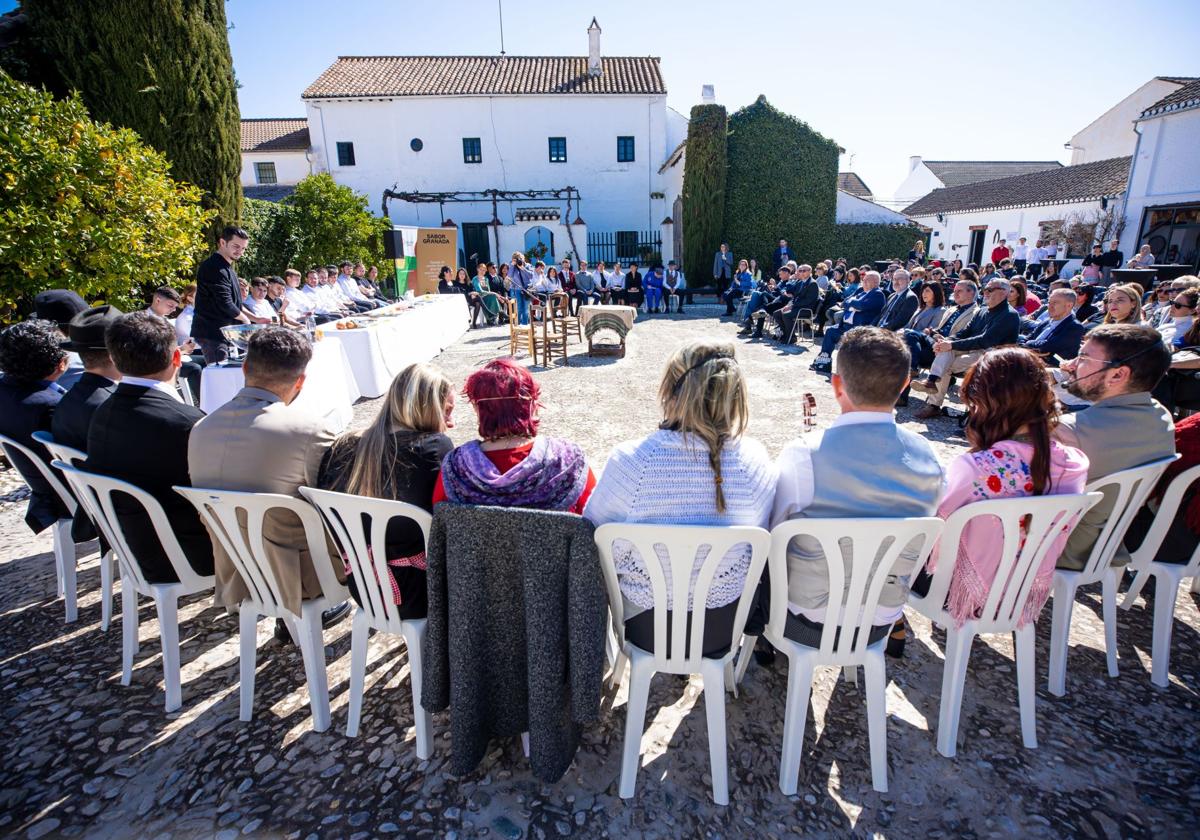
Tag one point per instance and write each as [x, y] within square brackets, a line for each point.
[500, 6]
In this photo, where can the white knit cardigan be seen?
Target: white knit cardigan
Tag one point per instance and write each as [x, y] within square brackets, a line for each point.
[666, 479]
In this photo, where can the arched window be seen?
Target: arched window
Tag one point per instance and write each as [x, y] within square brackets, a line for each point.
[539, 244]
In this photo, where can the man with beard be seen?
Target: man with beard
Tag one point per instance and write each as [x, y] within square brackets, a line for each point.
[1117, 367]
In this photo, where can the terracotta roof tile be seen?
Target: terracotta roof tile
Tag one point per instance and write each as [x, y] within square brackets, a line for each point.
[955, 173]
[272, 135]
[1052, 186]
[851, 183]
[1187, 96]
[481, 75]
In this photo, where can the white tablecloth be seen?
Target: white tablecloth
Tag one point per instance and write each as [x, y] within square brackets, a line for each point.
[329, 389]
[378, 352]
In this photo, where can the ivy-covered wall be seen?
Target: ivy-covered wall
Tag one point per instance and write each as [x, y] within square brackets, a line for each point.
[865, 243]
[782, 184]
[703, 190]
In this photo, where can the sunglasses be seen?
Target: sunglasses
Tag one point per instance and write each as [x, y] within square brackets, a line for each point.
[1177, 305]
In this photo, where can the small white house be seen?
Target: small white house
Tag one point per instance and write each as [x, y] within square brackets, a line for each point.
[925, 176]
[1112, 133]
[275, 156]
[1162, 203]
[968, 221]
[853, 209]
[443, 130]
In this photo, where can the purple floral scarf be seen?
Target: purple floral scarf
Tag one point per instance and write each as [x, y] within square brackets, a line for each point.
[551, 477]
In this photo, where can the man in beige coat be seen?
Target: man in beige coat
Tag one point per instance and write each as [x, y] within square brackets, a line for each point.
[258, 442]
[1117, 367]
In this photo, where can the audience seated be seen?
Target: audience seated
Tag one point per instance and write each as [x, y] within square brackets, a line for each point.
[742, 285]
[1184, 532]
[654, 289]
[1116, 369]
[1175, 326]
[633, 286]
[802, 295]
[995, 324]
[674, 285]
[511, 465]
[931, 310]
[259, 442]
[140, 435]
[1059, 335]
[901, 306]
[861, 309]
[398, 457]
[864, 465]
[73, 415]
[768, 297]
[696, 469]
[60, 306]
[351, 288]
[1012, 453]
[256, 306]
[32, 361]
[1123, 304]
[586, 290]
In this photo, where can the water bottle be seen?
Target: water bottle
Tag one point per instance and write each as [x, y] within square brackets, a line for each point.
[310, 324]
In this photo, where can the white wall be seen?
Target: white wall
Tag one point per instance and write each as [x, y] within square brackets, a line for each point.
[955, 229]
[1166, 170]
[920, 181]
[1111, 134]
[290, 167]
[854, 210]
[514, 132]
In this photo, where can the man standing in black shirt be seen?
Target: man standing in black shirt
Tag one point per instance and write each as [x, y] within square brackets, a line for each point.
[218, 300]
[1110, 259]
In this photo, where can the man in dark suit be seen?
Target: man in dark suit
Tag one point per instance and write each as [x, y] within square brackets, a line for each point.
[60, 306]
[33, 362]
[140, 435]
[1057, 337]
[899, 309]
[218, 297]
[782, 254]
[802, 293]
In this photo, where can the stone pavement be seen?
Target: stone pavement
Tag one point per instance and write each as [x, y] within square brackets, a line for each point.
[87, 757]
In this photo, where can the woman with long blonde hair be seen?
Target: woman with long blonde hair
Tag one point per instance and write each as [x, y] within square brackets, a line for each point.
[1123, 304]
[398, 457]
[698, 468]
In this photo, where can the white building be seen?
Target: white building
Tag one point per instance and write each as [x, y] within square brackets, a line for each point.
[1112, 133]
[422, 125]
[1162, 203]
[968, 221]
[925, 176]
[275, 156]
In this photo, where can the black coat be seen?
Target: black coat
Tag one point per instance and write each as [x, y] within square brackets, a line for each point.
[140, 435]
[25, 409]
[218, 298]
[989, 328]
[70, 425]
[898, 311]
[515, 639]
[806, 295]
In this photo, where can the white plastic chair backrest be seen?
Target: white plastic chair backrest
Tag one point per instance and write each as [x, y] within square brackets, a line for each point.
[225, 511]
[1040, 520]
[1163, 518]
[359, 526]
[851, 604]
[10, 447]
[1129, 489]
[60, 451]
[97, 491]
[681, 544]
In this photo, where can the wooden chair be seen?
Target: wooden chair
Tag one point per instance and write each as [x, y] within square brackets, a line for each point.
[548, 341]
[560, 316]
[520, 336]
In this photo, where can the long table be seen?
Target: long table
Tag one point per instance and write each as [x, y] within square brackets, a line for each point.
[380, 350]
[330, 386]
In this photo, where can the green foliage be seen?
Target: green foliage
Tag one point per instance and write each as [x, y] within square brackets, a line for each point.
[782, 185]
[271, 248]
[160, 67]
[704, 180]
[865, 243]
[86, 206]
[328, 222]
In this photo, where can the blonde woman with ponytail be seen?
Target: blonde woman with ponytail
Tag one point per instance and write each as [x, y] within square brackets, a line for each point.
[398, 457]
[698, 468]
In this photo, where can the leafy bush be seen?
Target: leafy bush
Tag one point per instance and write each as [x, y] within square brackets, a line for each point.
[86, 206]
[782, 184]
[328, 222]
[703, 190]
[865, 243]
[270, 249]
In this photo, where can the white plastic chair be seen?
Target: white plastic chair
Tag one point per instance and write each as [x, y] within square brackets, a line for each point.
[1129, 489]
[1167, 576]
[64, 546]
[849, 616]
[681, 657]
[1016, 572]
[345, 518]
[223, 511]
[97, 491]
[75, 457]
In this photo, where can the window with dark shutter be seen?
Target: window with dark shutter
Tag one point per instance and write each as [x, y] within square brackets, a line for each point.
[624, 150]
[472, 150]
[345, 153]
[558, 149]
[264, 173]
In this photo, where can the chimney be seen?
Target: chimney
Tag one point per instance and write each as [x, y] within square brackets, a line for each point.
[594, 49]
[913, 162]
[708, 95]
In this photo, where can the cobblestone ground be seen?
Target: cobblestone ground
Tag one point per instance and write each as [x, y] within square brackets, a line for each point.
[85, 756]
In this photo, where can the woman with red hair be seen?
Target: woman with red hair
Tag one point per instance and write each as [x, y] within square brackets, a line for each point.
[510, 465]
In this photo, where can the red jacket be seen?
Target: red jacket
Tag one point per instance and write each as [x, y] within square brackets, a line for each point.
[1000, 252]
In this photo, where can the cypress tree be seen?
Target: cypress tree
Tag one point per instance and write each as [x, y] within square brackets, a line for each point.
[162, 68]
[703, 190]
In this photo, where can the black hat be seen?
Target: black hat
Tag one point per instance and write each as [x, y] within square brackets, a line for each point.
[59, 306]
[672, 262]
[168, 293]
[87, 328]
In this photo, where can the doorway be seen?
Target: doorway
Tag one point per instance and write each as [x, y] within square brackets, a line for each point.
[975, 251]
[477, 247]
